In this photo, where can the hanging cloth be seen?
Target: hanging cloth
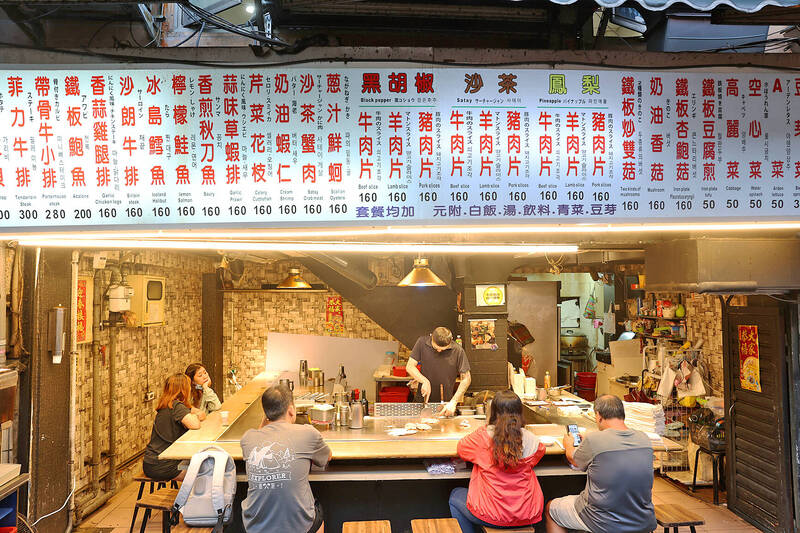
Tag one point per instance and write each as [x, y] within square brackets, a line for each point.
[590, 311]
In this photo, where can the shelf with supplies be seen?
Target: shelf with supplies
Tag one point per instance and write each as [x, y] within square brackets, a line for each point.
[649, 317]
[673, 339]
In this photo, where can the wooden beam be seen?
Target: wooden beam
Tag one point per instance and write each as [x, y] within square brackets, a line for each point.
[769, 15]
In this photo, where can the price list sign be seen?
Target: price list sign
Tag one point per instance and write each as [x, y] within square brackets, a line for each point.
[331, 144]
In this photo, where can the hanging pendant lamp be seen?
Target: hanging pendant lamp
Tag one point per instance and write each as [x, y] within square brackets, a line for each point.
[421, 276]
[294, 281]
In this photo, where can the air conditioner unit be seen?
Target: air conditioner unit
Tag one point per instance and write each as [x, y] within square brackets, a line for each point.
[147, 302]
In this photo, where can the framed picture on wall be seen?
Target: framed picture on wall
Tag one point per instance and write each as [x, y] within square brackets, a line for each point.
[482, 334]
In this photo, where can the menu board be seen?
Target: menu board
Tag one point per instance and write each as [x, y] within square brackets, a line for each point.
[333, 144]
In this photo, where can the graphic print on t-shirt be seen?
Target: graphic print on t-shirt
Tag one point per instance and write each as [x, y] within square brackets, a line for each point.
[269, 466]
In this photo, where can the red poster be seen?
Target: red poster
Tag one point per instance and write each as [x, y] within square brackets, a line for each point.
[749, 371]
[334, 316]
[83, 324]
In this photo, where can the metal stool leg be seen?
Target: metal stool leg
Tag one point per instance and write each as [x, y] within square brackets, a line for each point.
[152, 486]
[692, 529]
[144, 520]
[136, 509]
[715, 461]
[166, 525]
[696, 460]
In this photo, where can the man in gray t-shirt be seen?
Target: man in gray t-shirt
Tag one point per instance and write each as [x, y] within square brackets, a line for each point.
[619, 483]
[279, 455]
[442, 362]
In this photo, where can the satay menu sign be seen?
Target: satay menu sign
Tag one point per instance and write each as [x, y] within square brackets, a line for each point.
[332, 144]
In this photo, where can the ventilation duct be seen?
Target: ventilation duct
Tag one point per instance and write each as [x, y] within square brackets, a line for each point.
[723, 265]
[355, 270]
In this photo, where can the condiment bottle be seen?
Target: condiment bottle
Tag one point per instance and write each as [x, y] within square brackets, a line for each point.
[365, 403]
[547, 379]
[356, 414]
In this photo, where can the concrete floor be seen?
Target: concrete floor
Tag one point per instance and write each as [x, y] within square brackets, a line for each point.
[115, 516]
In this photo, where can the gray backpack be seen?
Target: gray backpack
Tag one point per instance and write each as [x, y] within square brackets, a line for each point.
[206, 495]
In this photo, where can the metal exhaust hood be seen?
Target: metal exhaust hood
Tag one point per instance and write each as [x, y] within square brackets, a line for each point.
[723, 265]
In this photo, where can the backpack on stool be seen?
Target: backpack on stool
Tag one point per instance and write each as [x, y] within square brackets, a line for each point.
[206, 494]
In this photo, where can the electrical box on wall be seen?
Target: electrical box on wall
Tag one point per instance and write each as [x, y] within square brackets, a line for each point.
[56, 334]
[148, 300]
[119, 298]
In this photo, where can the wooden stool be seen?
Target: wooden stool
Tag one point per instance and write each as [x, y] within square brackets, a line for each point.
[376, 526]
[670, 515]
[142, 481]
[717, 458]
[522, 529]
[161, 500]
[435, 525]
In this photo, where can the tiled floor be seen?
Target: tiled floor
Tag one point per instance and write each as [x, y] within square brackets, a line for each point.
[115, 516]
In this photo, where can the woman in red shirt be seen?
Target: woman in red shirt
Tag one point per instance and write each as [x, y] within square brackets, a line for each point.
[503, 489]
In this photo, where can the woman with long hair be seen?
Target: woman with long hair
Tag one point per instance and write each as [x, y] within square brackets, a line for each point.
[503, 489]
[203, 396]
[174, 415]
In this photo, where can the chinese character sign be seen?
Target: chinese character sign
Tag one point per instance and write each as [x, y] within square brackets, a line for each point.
[338, 144]
[334, 316]
[85, 300]
[749, 371]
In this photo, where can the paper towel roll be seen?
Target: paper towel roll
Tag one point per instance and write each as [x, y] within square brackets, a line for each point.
[519, 384]
[530, 385]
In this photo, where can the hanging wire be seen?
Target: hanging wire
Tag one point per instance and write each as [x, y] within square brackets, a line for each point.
[41, 15]
[156, 38]
[97, 31]
[202, 27]
[200, 14]
[56, 511]
[195, 32]
[556, 265]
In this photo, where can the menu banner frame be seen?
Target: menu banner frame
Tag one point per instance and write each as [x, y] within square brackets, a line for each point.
[332, 144]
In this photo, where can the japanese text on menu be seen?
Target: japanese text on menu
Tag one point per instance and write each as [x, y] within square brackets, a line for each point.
[387, 146]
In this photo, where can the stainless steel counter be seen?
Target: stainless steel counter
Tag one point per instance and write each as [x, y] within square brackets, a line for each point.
[374, 430]
[549, 415]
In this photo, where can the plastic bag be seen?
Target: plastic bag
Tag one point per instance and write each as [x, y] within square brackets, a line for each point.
[667, 383]
[706, 431]
[590, 310]
[609, 320]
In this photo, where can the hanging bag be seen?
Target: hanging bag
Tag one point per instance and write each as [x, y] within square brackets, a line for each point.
[609, 320]
[206, 494]
[590, 311]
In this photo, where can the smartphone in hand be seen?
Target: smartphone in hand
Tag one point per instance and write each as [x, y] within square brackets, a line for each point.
[572, 429]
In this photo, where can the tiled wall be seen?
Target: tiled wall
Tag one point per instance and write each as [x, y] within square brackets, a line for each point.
[704, 312]
[250, 316]
[172, 348]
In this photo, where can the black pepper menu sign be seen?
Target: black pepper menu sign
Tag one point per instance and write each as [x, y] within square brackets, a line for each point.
[332, 144]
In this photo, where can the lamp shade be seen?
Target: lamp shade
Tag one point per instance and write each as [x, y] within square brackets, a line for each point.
[293, 281]
[421, 276]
